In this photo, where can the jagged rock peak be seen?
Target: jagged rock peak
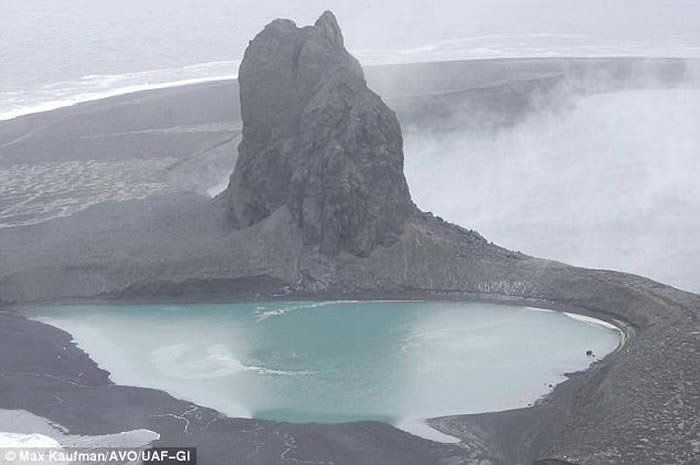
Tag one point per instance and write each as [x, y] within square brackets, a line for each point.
[317, 141]
[328, 25]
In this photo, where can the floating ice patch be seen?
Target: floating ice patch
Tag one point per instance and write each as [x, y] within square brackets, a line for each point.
[22, 429]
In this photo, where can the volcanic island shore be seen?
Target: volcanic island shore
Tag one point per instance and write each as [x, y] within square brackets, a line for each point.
[318, 208]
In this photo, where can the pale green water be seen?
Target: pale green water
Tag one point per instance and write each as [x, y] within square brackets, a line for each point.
[337, 361]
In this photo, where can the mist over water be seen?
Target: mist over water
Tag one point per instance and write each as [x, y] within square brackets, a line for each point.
[610, 182]
[338, 361]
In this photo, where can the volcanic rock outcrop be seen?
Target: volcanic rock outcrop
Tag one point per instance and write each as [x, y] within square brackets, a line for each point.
[321, 210]
[317, 141]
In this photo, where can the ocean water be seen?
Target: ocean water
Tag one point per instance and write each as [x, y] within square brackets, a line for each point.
[399, 362]
[58, 53]
[26, 99]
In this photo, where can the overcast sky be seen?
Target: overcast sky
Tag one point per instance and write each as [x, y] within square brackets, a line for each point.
[109, 36]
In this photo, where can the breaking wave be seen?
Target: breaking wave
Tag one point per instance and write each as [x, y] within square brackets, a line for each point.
[14, 103]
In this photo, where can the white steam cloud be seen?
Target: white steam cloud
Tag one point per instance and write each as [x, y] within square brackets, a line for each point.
[611, 183]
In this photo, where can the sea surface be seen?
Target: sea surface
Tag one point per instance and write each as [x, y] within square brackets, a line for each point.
[59, 53]
[399, 362]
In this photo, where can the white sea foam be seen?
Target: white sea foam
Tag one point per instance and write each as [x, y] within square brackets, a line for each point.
[221, 354]
[218, 362]
[18, 102]
[592, 321]
[92, 87]
[264, 314]
[586, 319]
[536, 309]
[529, 45]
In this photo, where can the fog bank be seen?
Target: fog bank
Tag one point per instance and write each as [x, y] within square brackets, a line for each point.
[609, 183]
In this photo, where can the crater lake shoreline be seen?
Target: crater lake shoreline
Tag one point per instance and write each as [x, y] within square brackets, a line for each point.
[504, 431]
[661, 323]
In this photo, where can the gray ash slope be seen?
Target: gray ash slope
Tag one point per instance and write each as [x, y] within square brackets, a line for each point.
[269, 236]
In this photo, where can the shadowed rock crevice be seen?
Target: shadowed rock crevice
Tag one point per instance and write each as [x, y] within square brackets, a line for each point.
[317, 141]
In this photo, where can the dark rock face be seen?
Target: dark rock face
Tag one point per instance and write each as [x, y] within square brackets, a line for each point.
[318, 141]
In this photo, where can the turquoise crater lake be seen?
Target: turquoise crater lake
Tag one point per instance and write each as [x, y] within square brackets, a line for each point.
[338, 361]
